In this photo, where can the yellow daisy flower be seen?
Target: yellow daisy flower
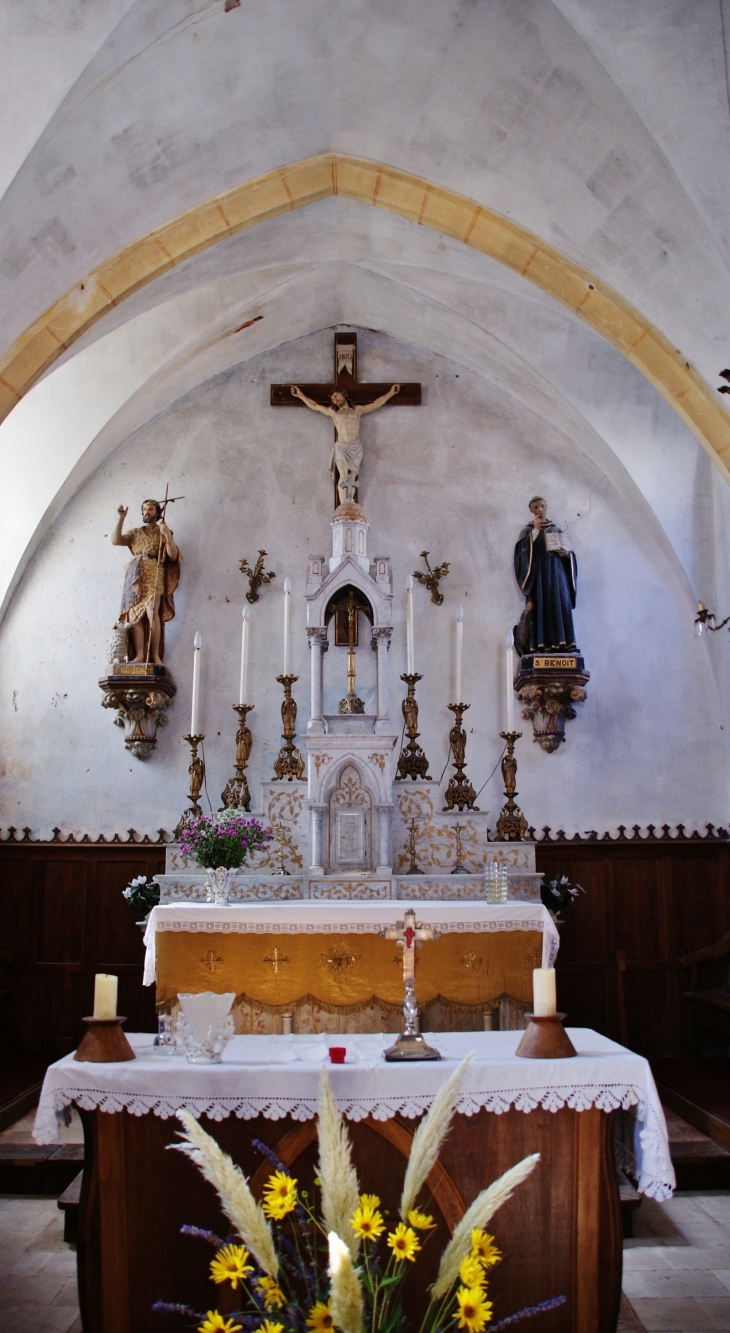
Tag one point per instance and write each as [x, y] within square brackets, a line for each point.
[484, 1249]
[215, 1323]
[271, 1292]
[421, 1221]
[230, 1265]
[269, 1326]
[320, 1317]
[369, 1201]
[404, 1243]
[471, 1272]
[474, 1310]
[280, 1195]
[367, 1223]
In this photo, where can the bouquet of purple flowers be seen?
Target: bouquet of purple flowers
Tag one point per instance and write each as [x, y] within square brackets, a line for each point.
[223, 840]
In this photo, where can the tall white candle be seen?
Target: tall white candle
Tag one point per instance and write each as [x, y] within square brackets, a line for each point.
[409, 626]
[195, 711]
[509, 681]
[544, 1000]
[244, 656]
[287, 627]
[459, 651]
[105, 995]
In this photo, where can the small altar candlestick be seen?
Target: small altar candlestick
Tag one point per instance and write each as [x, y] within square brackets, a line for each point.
[195, 710]
[543, 991]
[105, 995]
[287, 627]
[459, 650]
[244, 656]
[510, 681]
[409, 626]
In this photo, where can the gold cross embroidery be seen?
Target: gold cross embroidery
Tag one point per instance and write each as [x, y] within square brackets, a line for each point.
[211, 960]
[338, 962]
[471, 961]
[277, 960]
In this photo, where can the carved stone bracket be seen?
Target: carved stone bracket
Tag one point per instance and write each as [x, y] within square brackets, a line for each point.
[547, 698]
[140, 701]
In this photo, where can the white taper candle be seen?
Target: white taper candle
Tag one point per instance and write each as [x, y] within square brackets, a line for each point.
[244, 655]
[459, 651]
[509, 681]
[544, 1000]
[287, 627]
[105, 995]
[195, 710]
[409, 626]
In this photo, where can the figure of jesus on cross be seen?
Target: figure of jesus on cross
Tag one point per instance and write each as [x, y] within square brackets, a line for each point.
[410, 1045]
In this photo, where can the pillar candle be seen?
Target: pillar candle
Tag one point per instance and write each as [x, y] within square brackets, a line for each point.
[509, 680]
[194, 714]
[544, 1002]
[105, 995]
[244, 656]
[459, 651]
[287, 627]
[409, 626]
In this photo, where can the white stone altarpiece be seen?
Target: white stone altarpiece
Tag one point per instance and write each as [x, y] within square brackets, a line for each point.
[348, 830]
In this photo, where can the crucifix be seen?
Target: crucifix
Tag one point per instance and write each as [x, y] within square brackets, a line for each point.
[345, 401]
[410, 1044]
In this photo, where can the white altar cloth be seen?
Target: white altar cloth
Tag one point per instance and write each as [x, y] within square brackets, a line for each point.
[347, 918]
[277, 1076]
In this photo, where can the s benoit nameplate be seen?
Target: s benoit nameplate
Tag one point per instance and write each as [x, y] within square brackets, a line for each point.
[554, 663]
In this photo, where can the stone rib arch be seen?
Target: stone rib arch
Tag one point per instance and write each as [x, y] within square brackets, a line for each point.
[385, 187]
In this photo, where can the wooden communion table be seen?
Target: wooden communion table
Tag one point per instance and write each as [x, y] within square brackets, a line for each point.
[560, 1233]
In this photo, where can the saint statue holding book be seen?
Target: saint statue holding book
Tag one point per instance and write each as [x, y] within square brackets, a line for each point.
[547, 573]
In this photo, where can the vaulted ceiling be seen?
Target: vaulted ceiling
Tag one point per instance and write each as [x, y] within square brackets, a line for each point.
[567, 234]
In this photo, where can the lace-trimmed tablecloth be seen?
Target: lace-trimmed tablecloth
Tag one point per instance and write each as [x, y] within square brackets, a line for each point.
[326, 918]
[279, 1076]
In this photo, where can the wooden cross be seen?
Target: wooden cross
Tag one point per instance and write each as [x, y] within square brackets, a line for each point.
[406, 933]
[345, 379]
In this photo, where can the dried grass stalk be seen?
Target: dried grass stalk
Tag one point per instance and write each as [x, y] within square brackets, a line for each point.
[238, 1202]
[340, 1188]
[477, 1215]
[430, 1135]
[345, 1287]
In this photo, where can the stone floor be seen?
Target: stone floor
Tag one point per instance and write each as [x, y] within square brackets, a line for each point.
[676, 1268]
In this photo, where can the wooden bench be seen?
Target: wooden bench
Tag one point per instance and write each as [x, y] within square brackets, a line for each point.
[708, 1009]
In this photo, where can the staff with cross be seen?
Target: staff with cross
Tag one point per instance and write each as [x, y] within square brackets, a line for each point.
[407, 933]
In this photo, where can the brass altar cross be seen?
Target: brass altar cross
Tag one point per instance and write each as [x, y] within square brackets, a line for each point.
[276, 961]
[406, 933]
[345, 379]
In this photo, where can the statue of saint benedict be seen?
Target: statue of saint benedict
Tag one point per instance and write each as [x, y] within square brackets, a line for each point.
[150, 580]
[547, 573]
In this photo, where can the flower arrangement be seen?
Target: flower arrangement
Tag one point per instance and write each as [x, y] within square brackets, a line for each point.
[142, 895]
[222, 840]
[307, 1263]
[558, 893]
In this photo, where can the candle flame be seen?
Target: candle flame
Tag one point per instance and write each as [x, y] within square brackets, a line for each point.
[197, 641]
[246, 612]
[287, 586]
[460, 612]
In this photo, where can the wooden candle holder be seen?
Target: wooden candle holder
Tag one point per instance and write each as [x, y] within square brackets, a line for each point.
[545, 1038]
[104, 1042]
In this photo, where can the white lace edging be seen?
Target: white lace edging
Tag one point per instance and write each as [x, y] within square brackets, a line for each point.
[216, 927]
[654, 1167]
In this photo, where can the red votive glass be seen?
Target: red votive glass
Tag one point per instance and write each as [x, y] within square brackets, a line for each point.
[337, 1054]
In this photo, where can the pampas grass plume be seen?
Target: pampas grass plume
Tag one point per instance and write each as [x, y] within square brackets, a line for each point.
[238, 1202]
[340, 1188]
[477, 1215]
[345, 1288]
[430, 1135]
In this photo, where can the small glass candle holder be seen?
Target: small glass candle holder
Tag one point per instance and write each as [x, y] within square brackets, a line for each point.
[165, 1042]
[501, 884]
[490, 882]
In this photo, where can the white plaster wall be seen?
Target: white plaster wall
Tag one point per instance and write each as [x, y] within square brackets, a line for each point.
[453, 476]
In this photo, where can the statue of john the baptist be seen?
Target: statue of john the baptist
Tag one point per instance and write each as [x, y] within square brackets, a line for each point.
[150, 580]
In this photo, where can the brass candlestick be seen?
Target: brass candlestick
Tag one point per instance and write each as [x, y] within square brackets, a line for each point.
[280, 832]
[412, 762]
[459, 792]
[511, 825]
[196, 770]
[459, 869]
[289, 763]
[351, 703]
[412, 836]
[235, 794]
